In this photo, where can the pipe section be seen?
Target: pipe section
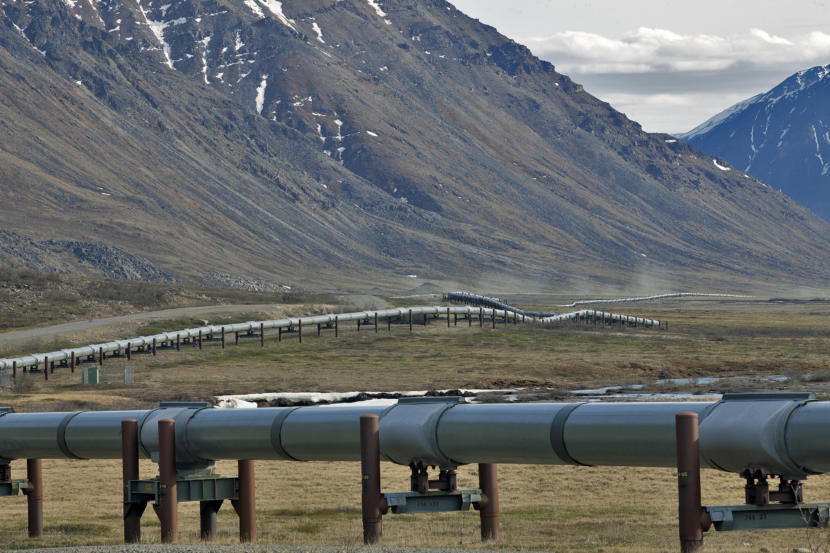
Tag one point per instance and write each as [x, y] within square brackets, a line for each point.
[782, 434]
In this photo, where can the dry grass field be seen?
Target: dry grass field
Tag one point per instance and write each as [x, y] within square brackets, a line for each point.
[626, 510]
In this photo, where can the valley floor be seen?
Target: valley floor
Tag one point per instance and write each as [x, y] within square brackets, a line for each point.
[547, 508]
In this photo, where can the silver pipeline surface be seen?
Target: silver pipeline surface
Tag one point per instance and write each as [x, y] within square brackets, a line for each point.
[785, 434]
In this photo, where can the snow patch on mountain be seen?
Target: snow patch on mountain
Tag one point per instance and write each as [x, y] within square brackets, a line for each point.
[254, 7]
[276, 9]
[260, 94]
[318, 32]
[376, 7]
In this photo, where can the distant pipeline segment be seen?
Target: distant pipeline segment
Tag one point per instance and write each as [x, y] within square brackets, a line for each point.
[74, 356]
[478, 300]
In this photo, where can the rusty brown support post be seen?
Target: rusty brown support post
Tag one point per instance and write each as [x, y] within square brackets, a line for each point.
[690, 513]
[448, 317]
[489, 507]
[72, 358]
[516, 318]
[200, 339]
[247, 502]
[480, 317]
[371, 500]
[101, 356]
[493, 318]
[469, 319]
[45, 368]
[34, 496]
[319, 329]
[168, 502]
[336, 326]
[300, 329]
[425, 319]
[389, 324]
[376, 322]
[129, 471]
[358, 325]
[154, 347]
[223, 337]
[279, 334]
[261, 335]
[410, 320]
[14, 369]
[455, 319]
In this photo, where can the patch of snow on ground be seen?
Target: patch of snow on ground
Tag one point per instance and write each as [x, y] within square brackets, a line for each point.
[260, 93]
[238, 42]
[254, 7]
[370, 133]
[205, 41]
[157, 27]
[276, 8]
[318, 31]
[376, 7]
[320, 132]
[248, 400]
[671, 141]
[719, 166]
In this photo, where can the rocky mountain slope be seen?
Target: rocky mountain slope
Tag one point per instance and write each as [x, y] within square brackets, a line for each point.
[354, 143]
[781, 137]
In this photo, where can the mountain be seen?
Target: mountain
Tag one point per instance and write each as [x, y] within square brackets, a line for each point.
[351, 144]
[782, 137]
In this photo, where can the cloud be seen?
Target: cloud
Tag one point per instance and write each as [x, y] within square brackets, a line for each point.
[660, 50]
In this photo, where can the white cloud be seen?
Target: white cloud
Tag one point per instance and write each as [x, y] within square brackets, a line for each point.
[658, 50]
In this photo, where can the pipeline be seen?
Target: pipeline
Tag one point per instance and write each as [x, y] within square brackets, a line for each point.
[172, 337]
[478, 300]
[783, 434]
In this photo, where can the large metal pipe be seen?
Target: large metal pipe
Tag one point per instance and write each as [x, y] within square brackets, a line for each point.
[785, 434]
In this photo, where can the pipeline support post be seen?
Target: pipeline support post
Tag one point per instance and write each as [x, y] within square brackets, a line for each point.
[371, 499]
[300, 330]
[129, 471]
[692, 519]
[262, 335]
[489, 506]
[168, 502]
[336, 327]
[34, 496]
[410, 320]
[207, 518]
[246, 505]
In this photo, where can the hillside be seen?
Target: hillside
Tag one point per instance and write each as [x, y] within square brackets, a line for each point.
[351, 143]
[781, 137]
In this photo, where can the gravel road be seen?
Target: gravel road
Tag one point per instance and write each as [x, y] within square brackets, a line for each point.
[77, 326]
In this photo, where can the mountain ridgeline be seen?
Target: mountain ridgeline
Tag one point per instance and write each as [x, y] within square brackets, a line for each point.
[782, 137]
[354, 143]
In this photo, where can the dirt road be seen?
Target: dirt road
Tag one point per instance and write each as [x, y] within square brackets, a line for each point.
[79, 326]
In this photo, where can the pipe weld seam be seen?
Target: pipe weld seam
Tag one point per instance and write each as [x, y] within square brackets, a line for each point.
[557, 434]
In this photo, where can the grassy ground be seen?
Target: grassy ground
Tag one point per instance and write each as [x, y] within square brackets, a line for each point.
[543, 507]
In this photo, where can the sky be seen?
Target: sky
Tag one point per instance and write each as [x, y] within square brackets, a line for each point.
[668, 65]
